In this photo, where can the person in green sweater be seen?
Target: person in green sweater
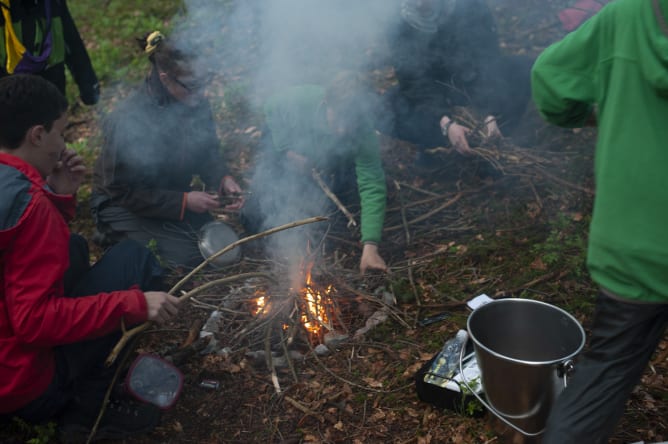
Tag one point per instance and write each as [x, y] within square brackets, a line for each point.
[327, 130]
[612, 72]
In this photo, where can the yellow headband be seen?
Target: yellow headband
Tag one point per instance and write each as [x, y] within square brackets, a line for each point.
[153, 41]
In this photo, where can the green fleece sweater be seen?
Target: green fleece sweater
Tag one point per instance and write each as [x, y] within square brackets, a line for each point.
[618, 61]
[297, 120]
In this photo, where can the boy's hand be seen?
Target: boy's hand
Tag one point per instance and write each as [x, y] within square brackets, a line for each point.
[230, 187]
[161, 306]
[201, 201]
[371, 259]
[68, 174]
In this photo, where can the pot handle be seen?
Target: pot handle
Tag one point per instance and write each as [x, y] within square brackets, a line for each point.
[485, 403]
[565, 369]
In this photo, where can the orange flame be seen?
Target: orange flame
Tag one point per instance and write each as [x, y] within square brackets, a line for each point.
[315, 304]
[315, 313]
[260, 302]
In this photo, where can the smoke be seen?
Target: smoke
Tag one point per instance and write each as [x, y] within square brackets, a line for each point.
[262, 46]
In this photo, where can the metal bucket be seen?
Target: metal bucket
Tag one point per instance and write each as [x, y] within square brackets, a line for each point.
[524, 350]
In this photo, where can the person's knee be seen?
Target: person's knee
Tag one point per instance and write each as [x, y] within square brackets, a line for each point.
[138, 257]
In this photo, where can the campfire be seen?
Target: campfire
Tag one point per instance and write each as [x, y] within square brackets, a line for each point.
[314, 304]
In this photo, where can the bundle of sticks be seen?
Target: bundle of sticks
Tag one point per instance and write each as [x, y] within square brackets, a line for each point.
[510, 159]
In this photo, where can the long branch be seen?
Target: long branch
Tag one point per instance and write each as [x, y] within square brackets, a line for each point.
[329, 193]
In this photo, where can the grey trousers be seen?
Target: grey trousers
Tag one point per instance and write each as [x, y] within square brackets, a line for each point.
[624, 336]
[175, 242]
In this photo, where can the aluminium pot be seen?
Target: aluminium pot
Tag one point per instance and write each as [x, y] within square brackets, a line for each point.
[213, 237]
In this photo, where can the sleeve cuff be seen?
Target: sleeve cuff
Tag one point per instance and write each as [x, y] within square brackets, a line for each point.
[184, 203]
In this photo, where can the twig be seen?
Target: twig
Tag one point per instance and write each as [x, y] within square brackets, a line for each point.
[107, 395]
[284, 346]
[566, 183]
[332, 196]
[403, 213]
[419, 190]
[530, 284]
[415, 293]
[429, 214]
[302, 408]
[269, 359]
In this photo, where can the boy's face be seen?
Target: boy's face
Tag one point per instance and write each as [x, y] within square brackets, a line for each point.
[49, 148]
[185, 87]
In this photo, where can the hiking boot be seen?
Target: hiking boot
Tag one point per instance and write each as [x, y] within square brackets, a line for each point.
[121, 419]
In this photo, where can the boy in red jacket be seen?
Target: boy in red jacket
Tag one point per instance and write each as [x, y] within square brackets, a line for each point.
[59, 318]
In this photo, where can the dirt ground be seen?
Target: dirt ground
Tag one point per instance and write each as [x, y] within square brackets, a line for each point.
[509, 223]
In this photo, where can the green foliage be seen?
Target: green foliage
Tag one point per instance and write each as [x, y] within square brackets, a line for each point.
[470, 404]
[83, 149]
[39, 433]
[110, 28]
[565, 246]
[153, 248]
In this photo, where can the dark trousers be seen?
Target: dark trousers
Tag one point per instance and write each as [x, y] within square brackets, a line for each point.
[624, 337]
[81, 378]
[176, 242]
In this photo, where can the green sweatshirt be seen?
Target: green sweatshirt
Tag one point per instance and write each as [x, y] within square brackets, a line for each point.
[297, 120]
[618, 60]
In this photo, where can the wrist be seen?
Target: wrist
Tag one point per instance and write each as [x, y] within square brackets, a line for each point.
[445, 127]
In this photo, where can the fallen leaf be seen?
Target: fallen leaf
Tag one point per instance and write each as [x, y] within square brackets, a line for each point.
[373, 382]
[538, 264]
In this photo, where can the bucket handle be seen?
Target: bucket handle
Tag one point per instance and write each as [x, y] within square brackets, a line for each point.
[564, 369]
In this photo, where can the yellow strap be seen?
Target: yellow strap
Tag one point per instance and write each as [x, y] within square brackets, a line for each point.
[13, 45]
[153, 41]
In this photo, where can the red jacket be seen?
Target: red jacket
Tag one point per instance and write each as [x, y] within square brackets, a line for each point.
[34, 314]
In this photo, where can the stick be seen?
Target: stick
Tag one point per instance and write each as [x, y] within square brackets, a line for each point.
[269, 360]
[107, 395]
[403, 213]
[566, 183]
[419, 190]
[332, 196]
[429, 214]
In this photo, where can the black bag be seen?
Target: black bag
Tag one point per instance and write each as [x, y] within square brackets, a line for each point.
[460, 402]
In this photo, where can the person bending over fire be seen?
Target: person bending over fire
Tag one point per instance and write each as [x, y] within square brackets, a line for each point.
[155, 143]
[446, 54]
[311, 130]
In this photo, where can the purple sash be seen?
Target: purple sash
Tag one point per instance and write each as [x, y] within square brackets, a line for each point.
[30, 63]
